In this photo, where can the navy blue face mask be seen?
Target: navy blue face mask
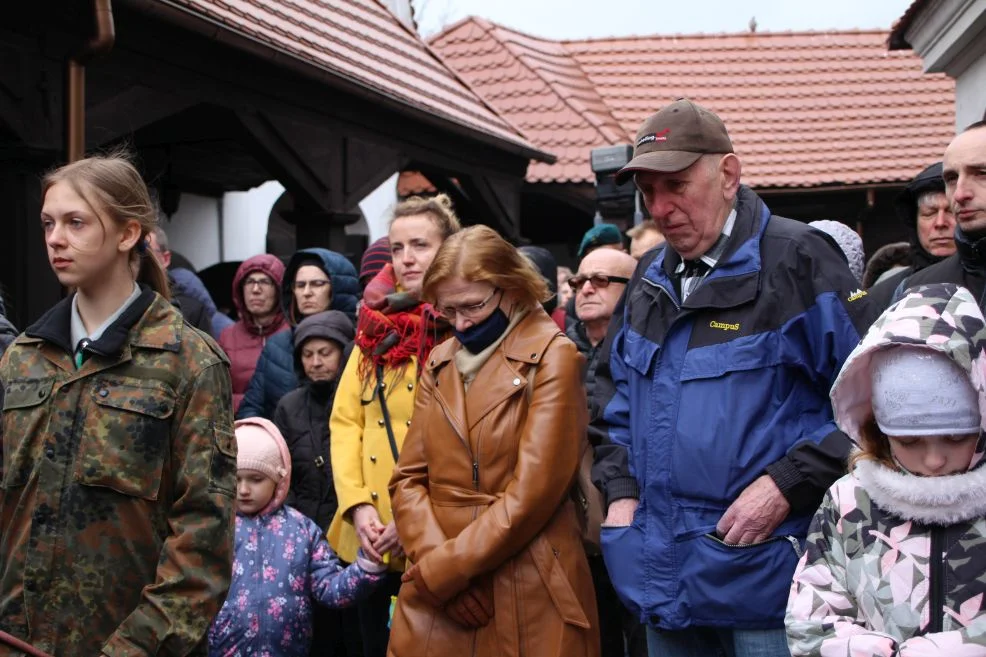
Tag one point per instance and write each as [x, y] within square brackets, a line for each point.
[482, 334]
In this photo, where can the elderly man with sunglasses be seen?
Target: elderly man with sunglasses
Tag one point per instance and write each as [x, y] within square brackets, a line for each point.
[597, 287]
[714, 434]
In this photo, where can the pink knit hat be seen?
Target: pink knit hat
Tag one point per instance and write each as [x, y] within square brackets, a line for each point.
[261, 447]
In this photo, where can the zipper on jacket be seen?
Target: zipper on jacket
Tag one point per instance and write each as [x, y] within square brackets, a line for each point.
[664, 290]
[793, 540]
[475, 474]
[936, 583]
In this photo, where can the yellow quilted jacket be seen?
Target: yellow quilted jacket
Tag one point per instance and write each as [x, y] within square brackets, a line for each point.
[362, 461]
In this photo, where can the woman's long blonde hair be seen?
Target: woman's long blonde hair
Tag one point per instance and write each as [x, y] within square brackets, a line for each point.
[113, 187]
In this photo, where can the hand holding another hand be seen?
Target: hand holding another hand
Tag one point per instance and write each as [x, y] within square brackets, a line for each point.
[368, 530]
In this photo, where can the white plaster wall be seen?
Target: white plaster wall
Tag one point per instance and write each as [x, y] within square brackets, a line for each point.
[245, 217]
[970, 94]
[376, 208]
[194, 229]
[195, 233]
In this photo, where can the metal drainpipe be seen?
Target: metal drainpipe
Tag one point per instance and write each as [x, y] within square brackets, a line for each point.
[75, 79]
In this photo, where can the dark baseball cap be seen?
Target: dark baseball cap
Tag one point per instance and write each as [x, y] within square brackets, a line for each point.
[674, 138]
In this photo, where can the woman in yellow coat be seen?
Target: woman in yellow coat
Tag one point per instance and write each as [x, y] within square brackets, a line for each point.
[375, 398]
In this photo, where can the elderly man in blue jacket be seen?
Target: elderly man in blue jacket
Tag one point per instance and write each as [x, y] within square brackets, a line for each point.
[713, 430]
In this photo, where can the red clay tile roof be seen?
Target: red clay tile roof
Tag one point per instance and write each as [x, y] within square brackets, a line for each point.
[537, 84]
[803, 109]
[363, 42]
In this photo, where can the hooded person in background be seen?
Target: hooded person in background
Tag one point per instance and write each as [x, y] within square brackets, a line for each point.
[965, 195]
[315, 280]
[257, 297]
[302, 415]
[925, 212]
[888, 260]
[848, 241]
[546, 264]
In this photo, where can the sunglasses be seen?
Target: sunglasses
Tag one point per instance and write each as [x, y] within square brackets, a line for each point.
[599, 281]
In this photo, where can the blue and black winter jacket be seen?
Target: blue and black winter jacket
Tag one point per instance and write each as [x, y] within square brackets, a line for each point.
[275, 374]
[694, 401]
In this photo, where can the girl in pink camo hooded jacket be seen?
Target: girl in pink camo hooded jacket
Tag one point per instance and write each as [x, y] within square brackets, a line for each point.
[895, 562]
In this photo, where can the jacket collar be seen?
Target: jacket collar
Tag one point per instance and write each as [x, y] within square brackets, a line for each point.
[525, 343]
[503, 375]
[736, 278]
[577, 334]
[971, 250]
[928, 500]
[150, 310]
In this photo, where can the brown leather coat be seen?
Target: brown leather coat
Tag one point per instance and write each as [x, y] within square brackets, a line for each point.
[480, 495]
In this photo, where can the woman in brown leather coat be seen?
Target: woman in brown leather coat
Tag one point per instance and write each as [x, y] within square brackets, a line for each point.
[480, 493]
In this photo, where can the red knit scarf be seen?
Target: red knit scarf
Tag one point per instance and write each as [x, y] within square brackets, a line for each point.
[385, 311]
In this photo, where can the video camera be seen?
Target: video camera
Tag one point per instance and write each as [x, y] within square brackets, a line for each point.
[615, 203]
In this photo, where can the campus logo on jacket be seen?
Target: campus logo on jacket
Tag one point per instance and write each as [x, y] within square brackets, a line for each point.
[856, 296]
[724, 326]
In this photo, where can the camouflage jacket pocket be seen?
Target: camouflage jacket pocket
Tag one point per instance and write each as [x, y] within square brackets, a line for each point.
[25, 412]
[222, 477]
[126, 435]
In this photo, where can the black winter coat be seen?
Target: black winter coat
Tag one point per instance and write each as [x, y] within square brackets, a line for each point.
[966, 267]
[302, 416]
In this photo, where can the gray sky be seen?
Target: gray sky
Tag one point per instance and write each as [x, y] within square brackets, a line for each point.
[579, 19]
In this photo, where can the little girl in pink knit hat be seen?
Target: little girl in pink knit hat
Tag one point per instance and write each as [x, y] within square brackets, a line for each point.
[283, 563]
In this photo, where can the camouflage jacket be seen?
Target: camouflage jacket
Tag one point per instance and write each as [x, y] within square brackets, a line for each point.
[895, 564]
[118, 479]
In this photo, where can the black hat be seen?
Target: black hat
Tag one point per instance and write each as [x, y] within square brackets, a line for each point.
[906, 203]
[328, 325]
[548, 266]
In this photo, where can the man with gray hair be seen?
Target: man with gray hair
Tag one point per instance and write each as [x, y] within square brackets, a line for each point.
[187, 287]
[713, 430]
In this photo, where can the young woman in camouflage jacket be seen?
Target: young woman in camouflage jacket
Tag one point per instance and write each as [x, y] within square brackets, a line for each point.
[119, 462]
[895, 562]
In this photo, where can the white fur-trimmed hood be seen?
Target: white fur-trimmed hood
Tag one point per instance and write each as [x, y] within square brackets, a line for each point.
[943, 500]
[942, 318]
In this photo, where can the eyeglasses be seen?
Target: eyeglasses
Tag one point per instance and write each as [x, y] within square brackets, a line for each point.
[466, 312]
[599, 281]
[317, 284]
[258, 282]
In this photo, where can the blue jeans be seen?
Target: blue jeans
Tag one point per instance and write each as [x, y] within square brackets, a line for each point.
[715, 642]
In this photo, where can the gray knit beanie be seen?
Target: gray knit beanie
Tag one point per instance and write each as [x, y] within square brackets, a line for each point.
[848, 240]
[920, 392]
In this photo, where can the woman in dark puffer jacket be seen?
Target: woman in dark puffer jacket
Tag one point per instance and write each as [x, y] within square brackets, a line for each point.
[329, 283]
